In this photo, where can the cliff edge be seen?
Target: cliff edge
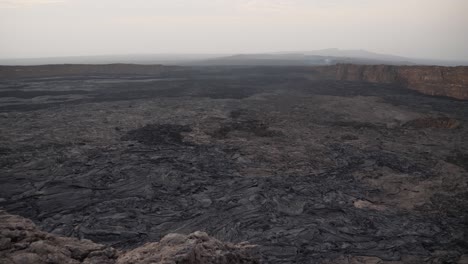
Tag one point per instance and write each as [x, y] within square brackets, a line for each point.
[431, 80]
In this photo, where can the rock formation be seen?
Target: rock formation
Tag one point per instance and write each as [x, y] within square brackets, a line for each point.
[21, 242]
[430, 80]
[197, 247]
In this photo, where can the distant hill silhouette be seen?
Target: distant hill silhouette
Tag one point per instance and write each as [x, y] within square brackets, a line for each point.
[324, 57]
[287, 58]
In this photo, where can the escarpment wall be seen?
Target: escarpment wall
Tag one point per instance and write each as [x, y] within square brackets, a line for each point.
[430, 80]
[443, 81]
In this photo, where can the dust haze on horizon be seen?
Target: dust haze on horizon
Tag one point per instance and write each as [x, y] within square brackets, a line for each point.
[435, 29]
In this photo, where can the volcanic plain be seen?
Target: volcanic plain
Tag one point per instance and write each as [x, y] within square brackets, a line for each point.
[310, 170]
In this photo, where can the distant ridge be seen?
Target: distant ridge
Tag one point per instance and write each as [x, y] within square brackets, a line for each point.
[286, 58]
[145, 59]
[324, 57]
[364, 54]
[297, 59]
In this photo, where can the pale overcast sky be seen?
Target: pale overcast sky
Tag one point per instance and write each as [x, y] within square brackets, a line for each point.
[414, 28]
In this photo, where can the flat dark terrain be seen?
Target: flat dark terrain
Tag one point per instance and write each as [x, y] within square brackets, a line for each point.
[313, 171]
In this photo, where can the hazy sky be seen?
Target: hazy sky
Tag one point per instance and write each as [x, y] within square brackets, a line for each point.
[416, 28]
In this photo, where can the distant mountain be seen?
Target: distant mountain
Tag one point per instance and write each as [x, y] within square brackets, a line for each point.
[168, 59]
[322, 57]
[362, 54]
[303, 58]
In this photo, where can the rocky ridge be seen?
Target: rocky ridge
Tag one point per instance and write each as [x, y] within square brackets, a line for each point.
[430, 80]
[21, 242]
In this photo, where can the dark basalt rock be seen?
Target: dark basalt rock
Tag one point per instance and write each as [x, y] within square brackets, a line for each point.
[433, 122]
[158, 134]
[254, 127]
[459, 159]
[311, 171]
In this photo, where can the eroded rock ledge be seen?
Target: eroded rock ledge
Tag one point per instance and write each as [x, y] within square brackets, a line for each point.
[21, 242]
[430, 80]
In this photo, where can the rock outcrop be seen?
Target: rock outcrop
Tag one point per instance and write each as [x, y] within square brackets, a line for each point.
[430, 80]
[197, 247]
[21, 242]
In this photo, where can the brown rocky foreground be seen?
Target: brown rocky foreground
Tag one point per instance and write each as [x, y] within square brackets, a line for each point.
[21, 242]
